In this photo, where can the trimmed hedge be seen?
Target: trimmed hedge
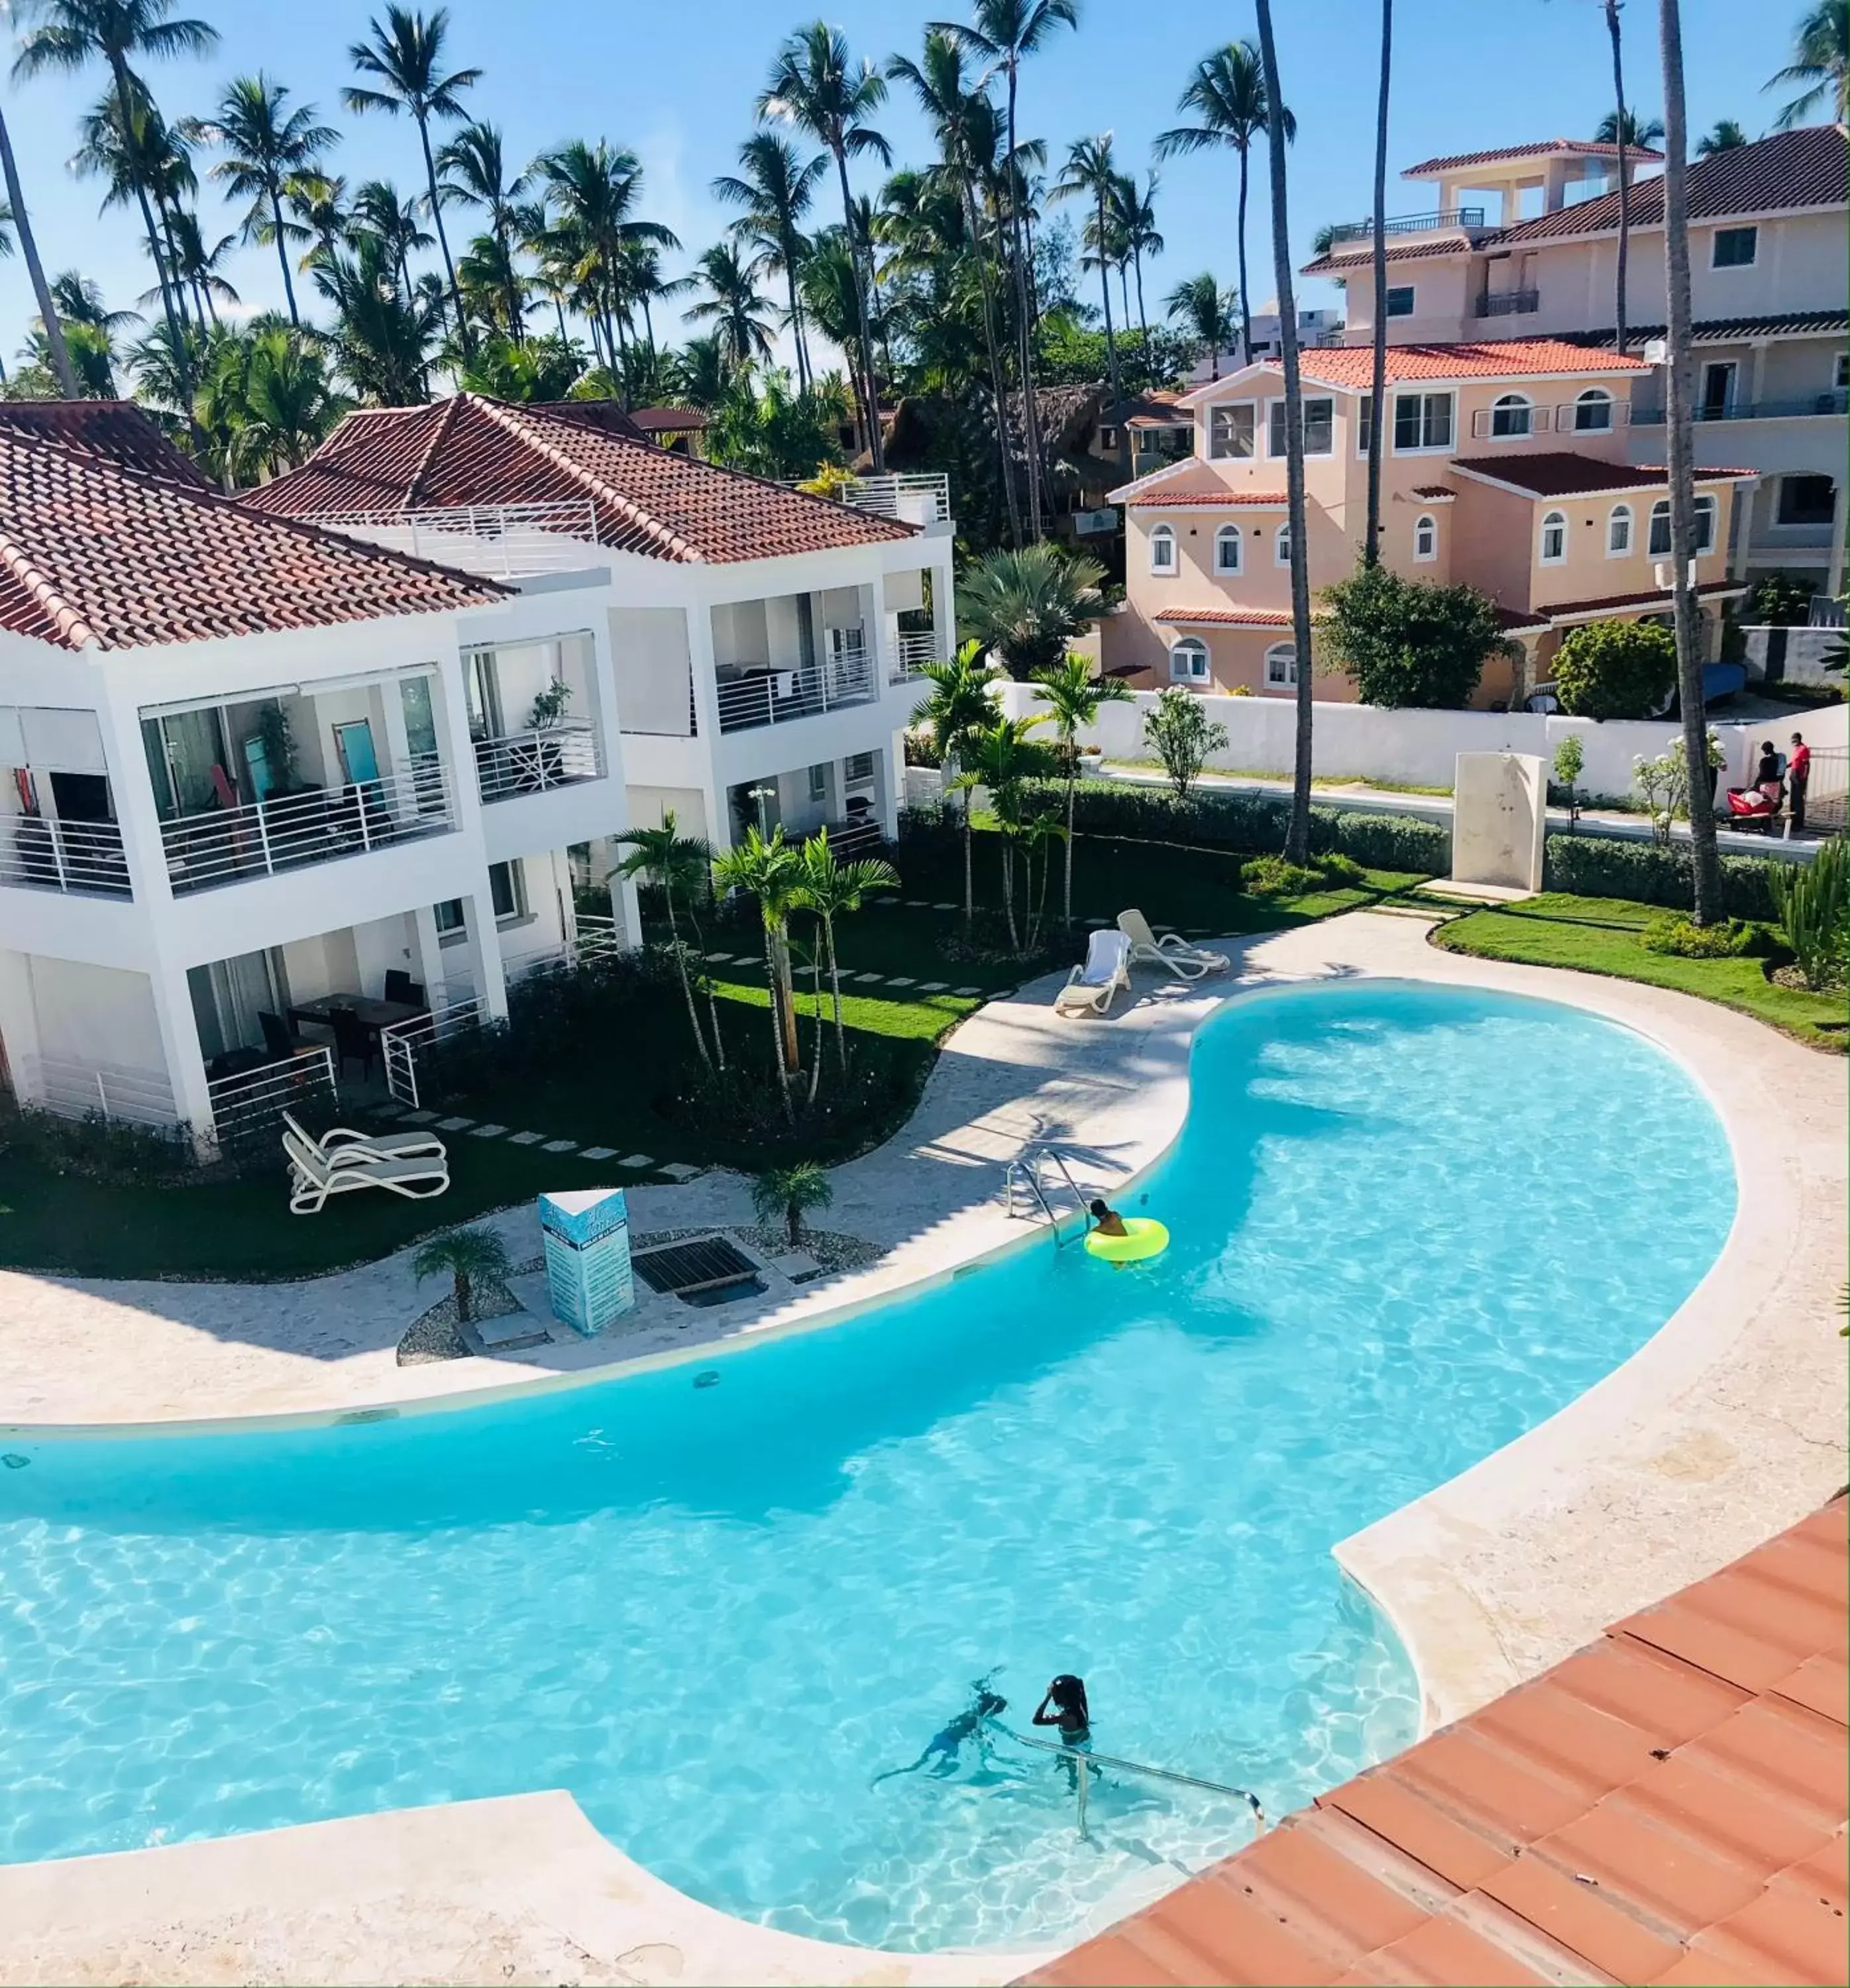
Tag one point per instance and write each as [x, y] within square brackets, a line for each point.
[1254, 824]
[1598, 866]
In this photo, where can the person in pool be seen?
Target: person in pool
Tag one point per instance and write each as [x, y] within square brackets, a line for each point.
[1065, 1707]
[944, 1748]
[1110, 1223]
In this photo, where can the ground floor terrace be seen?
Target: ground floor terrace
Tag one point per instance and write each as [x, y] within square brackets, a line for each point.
[1723, 1428]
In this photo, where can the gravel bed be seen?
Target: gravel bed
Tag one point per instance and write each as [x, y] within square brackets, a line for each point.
[437, 1334]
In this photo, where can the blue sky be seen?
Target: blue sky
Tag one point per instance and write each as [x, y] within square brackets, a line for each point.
[676, 84]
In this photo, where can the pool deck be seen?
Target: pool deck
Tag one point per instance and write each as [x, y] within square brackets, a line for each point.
[1725, 1427]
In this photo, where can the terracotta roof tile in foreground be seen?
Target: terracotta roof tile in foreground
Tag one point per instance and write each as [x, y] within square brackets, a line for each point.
[1667, 1806]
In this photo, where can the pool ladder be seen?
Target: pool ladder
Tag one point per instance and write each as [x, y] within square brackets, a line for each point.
[1025, 1171]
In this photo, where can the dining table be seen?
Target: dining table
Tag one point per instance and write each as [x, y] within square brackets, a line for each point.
[373, 1015]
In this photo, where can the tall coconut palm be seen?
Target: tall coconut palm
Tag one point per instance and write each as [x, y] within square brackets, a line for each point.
[475, 173]
[816, 86]
[200, 268]
[380, 210]
[731, 305]
[1074, 695]
[955, 712]
[404, 58]
[677, 865]
[1620, 120]
[70, 34]
[290, 403]
[1004, 757]
[57, 351]
[1679, 431]
[319, 202]
[141, 157]
[1821, 61]
[1641, 134]
[1091, 174]
[1378, 369]
[1134, 215]
[1297, 834]
[382, 334]
[830, 889]
[770, 871]
[1005, 33]
[1207, 310]
[266, 145]
[1227, 96]
[1723, 136]
[775, 185]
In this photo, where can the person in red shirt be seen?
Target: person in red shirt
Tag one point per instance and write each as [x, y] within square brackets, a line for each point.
[1798, 772]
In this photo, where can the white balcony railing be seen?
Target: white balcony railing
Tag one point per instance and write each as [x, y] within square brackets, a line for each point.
[289, 831]
[917, 647]
[453, 1013]
[247, 1106]
[924, 499]
[117, 1092]
[775, 697]
[531, 763]
[46, 854]
[595, 938]
[503, 539]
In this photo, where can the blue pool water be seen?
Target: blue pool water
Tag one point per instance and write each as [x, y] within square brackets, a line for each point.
[1409, 1223]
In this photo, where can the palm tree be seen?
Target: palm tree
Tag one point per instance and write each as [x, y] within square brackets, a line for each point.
[266, 146]
[382, 334]
[1003, 758]
[56, 350]
[1821, 61]
[1679, 428]
[318, 201]
[1074, 696]
[71, 34]
[1090, 173]
[1378, 370]
[787, 1193]
[143, 157]
[731, 305]
[954, 712]
[405, 59]
[289, 403]
[677, 864]
[1027, 605]
[1297, 834]
[775, 185]
[769, 871]
[1227, 96]
[1722, 136]
[379, 211]
[830, 888]
[474, 173]
[1638, 136]
[815, 85]
[1134, 219]
[1004, 34]
[474, 1260]
[1208, 312]
[1620, 119]
[198, 267]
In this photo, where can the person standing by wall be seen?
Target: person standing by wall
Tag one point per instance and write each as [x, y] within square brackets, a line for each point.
[1798, 774]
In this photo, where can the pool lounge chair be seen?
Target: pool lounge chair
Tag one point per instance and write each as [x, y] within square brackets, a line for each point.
[417, 1167]
[1091, 988]
[341, 1139]
[1185, 962]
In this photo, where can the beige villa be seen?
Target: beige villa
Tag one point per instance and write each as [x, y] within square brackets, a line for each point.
[1505, 466]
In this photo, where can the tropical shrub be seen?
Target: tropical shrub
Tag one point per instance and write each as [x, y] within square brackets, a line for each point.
[101, 1149]
[1812, 901]
[787, 1194]
[1682, 937]
[1778, 600]
[1407, 643]
[475, 1260]
[1025, 606]
[1178, 727]
[1273, 876]
[1614, 669]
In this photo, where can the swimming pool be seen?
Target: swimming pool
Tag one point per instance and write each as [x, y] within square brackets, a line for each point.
[1409, 1223]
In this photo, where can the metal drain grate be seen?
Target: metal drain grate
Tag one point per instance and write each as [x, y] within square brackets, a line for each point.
[706, 1263]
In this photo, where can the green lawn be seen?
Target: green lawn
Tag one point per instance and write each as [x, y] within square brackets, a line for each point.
[618, 1094]
[1606, 935]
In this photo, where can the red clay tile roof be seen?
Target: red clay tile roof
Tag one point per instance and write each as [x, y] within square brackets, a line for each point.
[1352, 366]
[110, 539]
[471, 450]
[1561, 473]
[1668, 1805]
[667, 420]
[1620, 603]
[1730, 330]
[1436, 493]
[1224, 618]
[1212, 500]
[1588, 148]
[1359, 254]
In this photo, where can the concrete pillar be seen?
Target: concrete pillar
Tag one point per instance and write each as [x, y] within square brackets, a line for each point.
[1834, 582]
[483, 947]
[19, 1028]
[180, 1049]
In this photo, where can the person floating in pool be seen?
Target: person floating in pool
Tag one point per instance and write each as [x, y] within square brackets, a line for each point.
[1110, 1223]
[945, 1748]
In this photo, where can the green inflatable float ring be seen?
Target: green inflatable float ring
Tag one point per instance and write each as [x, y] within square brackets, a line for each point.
[1143, 1238]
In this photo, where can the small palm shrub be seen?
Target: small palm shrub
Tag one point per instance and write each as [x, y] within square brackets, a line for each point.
[474, 1260]
[787, 1193]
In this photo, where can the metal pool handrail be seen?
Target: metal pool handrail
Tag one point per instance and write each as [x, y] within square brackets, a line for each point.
[1087, 1758]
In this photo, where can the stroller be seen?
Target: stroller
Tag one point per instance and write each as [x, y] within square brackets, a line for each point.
[1758, 807]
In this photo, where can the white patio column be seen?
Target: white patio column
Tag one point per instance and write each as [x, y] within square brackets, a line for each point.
[179, 1049]
[1834, 582]
[19, 1027]
[484, 947]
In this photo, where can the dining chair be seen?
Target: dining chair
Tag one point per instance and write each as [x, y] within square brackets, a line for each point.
[354, 1042]
[399, 986]
[279, 1037]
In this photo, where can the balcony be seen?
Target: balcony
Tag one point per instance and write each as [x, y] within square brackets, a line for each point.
[503, 540]
[1409, 224]
[917, 648]
[86, 857]
[293, 831]
[752, 696]
[1506, 303]
[1832, 401]
[533, 763]
[913, 500]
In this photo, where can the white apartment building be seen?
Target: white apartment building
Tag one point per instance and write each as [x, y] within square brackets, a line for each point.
[765, 644]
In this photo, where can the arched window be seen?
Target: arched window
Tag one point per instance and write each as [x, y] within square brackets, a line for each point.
[1619, 531]
[1281, 666]
[1162, 550]
[1511, 414]
[1426, 537]
[1282, 545]
[1189, 662]
[1660, 545]
[1592, 412]
[1227, 549]
[1555, 538]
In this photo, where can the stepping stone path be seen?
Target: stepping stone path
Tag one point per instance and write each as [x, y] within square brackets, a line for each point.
[559, 1146]
[393, 1110]
[899, 980]
[966, 991]
[934, 986]
[916, 904]
[944, 907]
[678, 1171]
[486, 1131]
[1098, 921]
[869, 979]
[419, 1117]
[598, 1153]
[454, 1124]
[524, 1139]
[638, 1161]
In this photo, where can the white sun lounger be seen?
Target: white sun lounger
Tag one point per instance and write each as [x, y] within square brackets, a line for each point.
[341, 1139]
[1091, 988]
[1185, 962]
[316, 1172]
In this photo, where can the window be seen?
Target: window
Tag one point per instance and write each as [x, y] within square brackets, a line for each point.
[449, 916]
[1281, 667]
[1319, 427]
[857, 766]
[507, 890]
[1554, 538]
[1592, 412]
[1658, 544]
[1227, 549]
[1365, 422]
[1189, 662]
[1840, 378]
[819, 782]
[1806, 500]
[1400, 302]
[1619, 531]
[1422, 421]
[1718, 391]
[1108, 438]
[1735, 247]
[1162, 550]
[1426, 539]
[1511, 414]
[1231, 430]
[1281, 553]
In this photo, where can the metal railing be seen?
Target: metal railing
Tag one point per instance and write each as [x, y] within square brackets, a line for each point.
[1025, 1171]
[287, 831]
[775, 697]
[401, 1043]
[1506, 303]
[918, 499]
[916, 647]
[1834, 400]
[115, 1092]
[251, 1104]
[505, 539]
[531, 763]
[46, 854]
[1410, 224]
[594, 938]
